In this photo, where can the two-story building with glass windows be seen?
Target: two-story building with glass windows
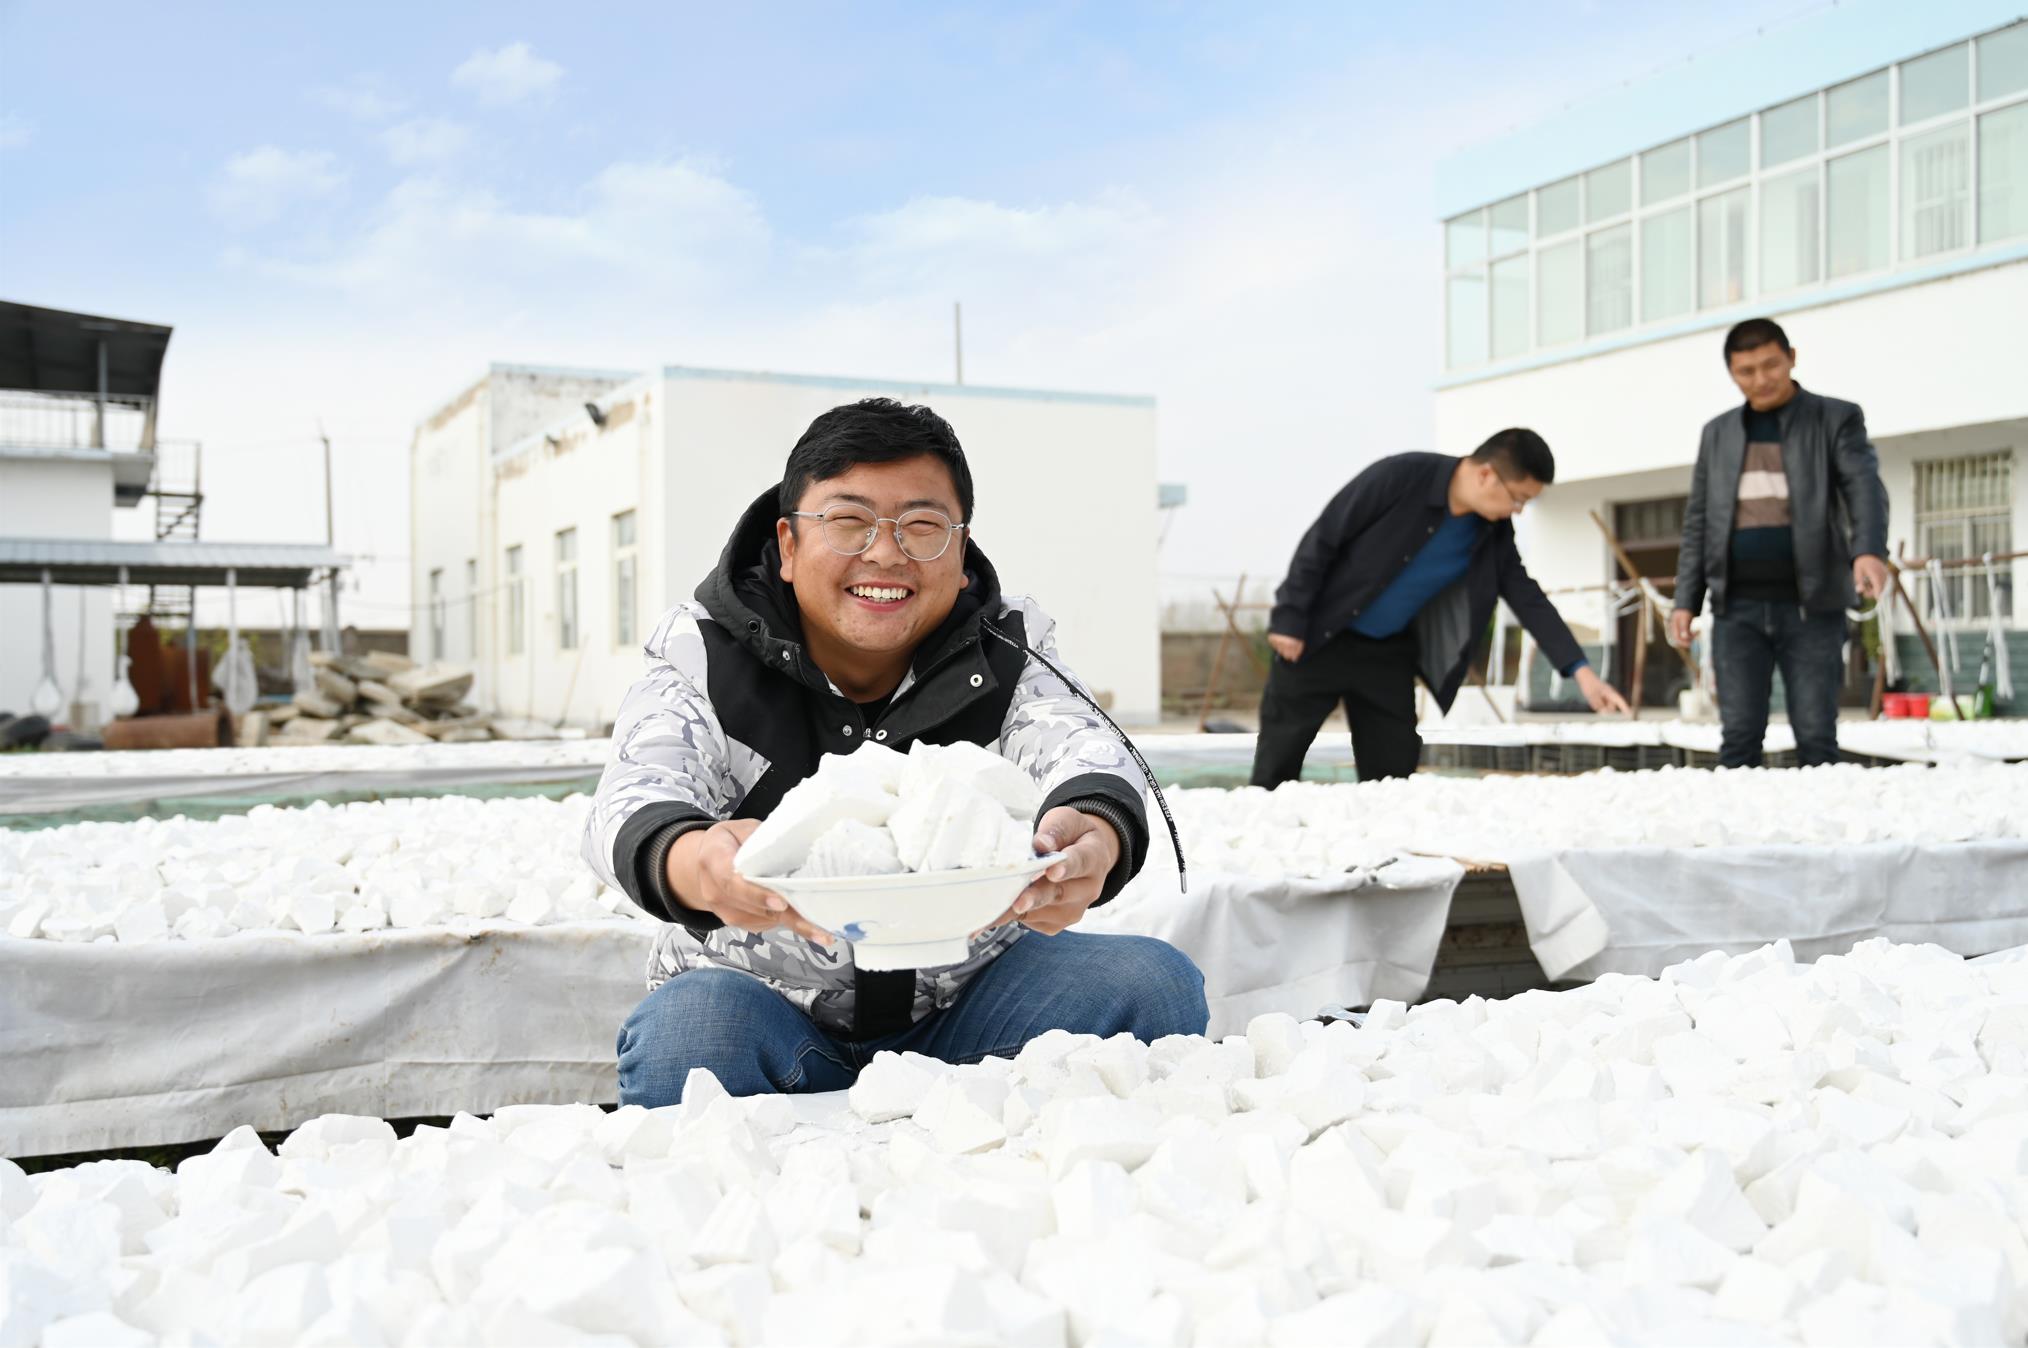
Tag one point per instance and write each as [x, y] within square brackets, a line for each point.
[1861, 176]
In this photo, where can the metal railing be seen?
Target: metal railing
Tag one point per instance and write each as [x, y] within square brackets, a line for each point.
[30, 420]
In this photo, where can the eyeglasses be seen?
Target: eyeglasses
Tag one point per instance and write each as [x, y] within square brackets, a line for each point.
[922, 535]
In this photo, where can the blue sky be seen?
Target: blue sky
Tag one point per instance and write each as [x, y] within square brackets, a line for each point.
[348, 211]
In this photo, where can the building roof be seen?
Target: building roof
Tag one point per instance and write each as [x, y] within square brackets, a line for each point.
[99, 561]
[56, 351]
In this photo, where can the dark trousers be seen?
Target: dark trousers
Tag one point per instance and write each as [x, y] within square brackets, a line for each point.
[1376, 682]
[1749, 641]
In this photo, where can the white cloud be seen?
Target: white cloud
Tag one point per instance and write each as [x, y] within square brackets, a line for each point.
[423, 140]
[255, 188]
[15, 131]
[665, 229]
[359, 101]
[507, 75]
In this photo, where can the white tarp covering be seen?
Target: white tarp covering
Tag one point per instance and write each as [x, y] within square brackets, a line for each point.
[1293, 944]
[105, 1045]
[109, 1045]
[1638, 910]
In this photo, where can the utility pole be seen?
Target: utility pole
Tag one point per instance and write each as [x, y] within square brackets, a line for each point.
[958, 335]
[330, 541]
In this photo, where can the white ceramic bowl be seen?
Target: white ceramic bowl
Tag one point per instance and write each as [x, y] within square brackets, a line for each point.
[916, 920]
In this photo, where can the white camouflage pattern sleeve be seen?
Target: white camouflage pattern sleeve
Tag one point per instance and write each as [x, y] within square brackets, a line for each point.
[1049, 730]
[668, 744]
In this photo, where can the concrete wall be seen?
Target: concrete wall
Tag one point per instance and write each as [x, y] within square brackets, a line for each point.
[1066, 509]
[1921, 358]
[1936, 366]
[69, 497]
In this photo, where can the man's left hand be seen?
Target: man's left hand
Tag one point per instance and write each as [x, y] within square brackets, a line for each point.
[1869, 576]
[1602, 696]
[1060, 895]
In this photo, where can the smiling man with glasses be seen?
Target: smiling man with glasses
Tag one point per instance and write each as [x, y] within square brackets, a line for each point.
[852, 604]
[1397, 579]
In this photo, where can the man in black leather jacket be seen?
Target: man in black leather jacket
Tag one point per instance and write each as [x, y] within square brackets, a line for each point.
[1785, 528]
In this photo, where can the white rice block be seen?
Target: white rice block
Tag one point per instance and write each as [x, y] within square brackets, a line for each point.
[958, 828]
[850, 847]
[871, 765]
[810, 809]
[932, 768]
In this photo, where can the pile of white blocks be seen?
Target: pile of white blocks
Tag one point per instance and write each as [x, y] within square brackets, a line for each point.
[353, 868]
[879, 812]
[1743, 1151]
[1317, 829]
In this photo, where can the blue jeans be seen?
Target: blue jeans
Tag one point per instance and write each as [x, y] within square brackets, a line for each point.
[1750, 639]
[755, 1042]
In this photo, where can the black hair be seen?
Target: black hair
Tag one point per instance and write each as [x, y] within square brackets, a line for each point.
[874, 430]
[1518, 453]
[1753, 334]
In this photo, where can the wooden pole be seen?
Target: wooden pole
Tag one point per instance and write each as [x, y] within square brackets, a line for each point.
[1634, 574]
[1894, 573]
[1218, 660]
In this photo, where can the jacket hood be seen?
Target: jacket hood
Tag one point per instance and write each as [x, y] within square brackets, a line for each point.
[746, 595]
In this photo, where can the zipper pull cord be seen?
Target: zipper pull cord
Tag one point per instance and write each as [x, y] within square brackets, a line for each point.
[1175, 839]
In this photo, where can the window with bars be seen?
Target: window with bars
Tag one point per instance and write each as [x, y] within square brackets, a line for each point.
[437, 613]
[625, 578]
[517, 604]
[566, 589]
[1964, 507]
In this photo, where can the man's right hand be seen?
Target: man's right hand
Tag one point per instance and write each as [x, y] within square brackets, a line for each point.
[1288, 648]
[701, 873]
[1679, 627]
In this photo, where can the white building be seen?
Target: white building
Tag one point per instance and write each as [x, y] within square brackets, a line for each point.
[1861, 176]
[79, 395]
[556, 514]
[77, 441]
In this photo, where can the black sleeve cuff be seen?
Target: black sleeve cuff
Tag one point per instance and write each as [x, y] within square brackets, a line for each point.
[641, 861]
[1105, 797]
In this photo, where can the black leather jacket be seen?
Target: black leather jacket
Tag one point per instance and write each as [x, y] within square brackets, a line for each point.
[1837, 503]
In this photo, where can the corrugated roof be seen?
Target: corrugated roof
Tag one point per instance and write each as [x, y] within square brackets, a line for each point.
[57, 351]
[97, 561]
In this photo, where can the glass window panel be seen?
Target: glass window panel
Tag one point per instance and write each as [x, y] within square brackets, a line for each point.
[1467, 327]
[623, 601]
[623, 529]
[1721, 249]
[1510, 307]
[2003, 173]
[1856, 110]
[2003, 62]
[1556, 207]
[1557, 277]
[1855, 197]
[1465, 240]
[1935, 84]
[1788, 231]
[472, 608]
[1665, 173]
[1725, 153]
[1609, 191]
[1509, 225]
[517, 603]
[1936, 197]
[1609, 280]
[1667, 275]
[1788, 132]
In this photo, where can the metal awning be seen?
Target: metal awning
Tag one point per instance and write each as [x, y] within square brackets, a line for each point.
[56, 351]
[92, 561]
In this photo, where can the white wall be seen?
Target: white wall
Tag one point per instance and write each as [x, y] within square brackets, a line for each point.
[1918, 358]
[582, 481]
[56, 498]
